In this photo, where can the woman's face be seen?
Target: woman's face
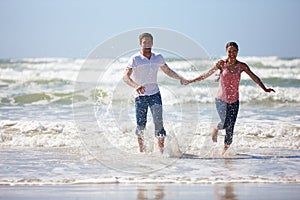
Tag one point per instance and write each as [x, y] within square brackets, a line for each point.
[232, 52]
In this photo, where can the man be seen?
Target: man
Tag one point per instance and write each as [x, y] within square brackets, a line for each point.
[143, 66]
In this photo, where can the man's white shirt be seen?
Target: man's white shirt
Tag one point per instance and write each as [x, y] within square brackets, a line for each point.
[145, 71]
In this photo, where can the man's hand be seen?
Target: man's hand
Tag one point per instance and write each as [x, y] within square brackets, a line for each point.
[140, 89]
[220, 64]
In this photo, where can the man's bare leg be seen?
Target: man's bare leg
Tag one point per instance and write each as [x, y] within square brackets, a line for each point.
[214, 135]
[141, 143]
[161, 144]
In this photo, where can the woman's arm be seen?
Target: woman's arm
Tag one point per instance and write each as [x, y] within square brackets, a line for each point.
[255, 78]
[205, 75]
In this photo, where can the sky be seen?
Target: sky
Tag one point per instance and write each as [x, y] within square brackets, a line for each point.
[73, 28]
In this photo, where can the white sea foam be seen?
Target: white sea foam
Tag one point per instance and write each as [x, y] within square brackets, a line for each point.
[55, 154]
[38, 134]
[58, 134]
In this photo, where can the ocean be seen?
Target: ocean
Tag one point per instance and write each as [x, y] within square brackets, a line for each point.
[60, 127]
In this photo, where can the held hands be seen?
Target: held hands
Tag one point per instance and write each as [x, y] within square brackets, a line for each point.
[183, 81]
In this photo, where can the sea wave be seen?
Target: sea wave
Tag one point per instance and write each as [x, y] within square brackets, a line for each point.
[65, 134]
[38, 134]
[42, 144]
[182, 96]
[271, 61]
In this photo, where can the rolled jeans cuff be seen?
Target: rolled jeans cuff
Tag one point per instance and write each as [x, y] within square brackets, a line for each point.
[139, 131]
[161, 133]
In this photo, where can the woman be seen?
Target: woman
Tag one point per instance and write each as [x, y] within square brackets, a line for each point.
[227, 100]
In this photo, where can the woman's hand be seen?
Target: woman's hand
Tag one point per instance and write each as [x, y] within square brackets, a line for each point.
[269, 90]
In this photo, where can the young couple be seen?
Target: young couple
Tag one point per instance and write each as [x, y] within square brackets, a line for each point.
[141, 74]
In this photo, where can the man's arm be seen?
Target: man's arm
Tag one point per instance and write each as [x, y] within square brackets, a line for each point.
[167, 70]
[126, 78]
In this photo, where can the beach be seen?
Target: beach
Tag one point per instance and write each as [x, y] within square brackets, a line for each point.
[228, 191]
[67, 138]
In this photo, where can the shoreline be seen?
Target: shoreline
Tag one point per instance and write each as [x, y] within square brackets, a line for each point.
[116, 182]
[228, 191]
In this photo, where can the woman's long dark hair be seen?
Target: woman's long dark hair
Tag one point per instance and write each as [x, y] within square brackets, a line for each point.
[233, 44]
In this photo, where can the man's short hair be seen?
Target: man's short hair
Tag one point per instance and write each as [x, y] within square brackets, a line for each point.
[141, 36]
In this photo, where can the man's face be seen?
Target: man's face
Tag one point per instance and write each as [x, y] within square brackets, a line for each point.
[146, 43]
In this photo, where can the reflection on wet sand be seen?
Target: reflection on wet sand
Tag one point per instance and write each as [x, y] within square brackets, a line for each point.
[144, 193]
[224, 192]
[219, 192]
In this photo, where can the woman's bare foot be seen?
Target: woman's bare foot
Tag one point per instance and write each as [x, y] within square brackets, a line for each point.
[225, 148]
[214, 135]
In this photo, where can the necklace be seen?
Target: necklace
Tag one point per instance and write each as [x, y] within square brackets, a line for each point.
[231, 63]
[232, 66]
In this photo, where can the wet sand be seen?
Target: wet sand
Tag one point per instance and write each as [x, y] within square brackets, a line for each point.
[222, 191]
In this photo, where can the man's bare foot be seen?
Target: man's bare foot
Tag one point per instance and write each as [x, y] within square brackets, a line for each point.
[161, 144]
[141, 143]
[225, 148]
[214, 135]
